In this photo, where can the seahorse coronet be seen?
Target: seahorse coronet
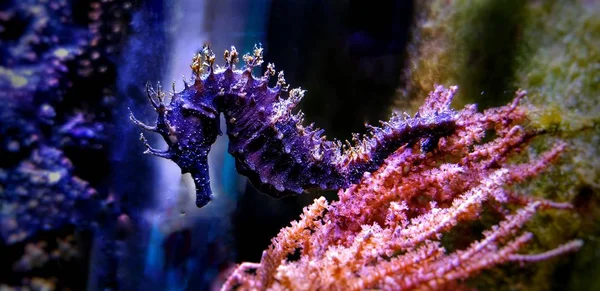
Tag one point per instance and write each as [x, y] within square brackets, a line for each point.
[270, 144]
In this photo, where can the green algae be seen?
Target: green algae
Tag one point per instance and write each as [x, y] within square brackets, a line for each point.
[559, 65]
[466, 43]
[551, 49]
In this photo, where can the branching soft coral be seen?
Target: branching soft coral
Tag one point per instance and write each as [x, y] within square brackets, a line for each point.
[385, 232]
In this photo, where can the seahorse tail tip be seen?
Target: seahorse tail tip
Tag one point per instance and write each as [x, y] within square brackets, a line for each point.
[202, 200]
[203, 195]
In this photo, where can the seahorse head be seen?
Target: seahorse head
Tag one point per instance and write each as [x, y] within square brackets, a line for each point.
[190, 122]
[189, 125]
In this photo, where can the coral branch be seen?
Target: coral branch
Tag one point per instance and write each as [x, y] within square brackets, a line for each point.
[565, 248]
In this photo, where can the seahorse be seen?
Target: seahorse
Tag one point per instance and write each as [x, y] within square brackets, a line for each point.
[270, 144]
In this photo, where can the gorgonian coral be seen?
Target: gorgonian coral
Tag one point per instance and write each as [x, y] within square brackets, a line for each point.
[271, 145]
[387, 231]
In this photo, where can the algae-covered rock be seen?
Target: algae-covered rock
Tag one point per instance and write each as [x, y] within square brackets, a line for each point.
[551, 50]
[559, 65]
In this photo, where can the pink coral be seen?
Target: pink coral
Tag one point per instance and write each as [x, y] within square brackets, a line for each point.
[385, 232]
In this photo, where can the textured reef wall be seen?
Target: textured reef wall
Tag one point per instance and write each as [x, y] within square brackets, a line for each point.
[56, 69]
[547, 48]
[559, 64]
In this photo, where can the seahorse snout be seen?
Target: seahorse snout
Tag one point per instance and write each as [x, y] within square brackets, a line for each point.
[201, 180]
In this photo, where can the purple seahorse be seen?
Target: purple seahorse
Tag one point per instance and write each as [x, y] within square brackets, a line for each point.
[271, 147]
